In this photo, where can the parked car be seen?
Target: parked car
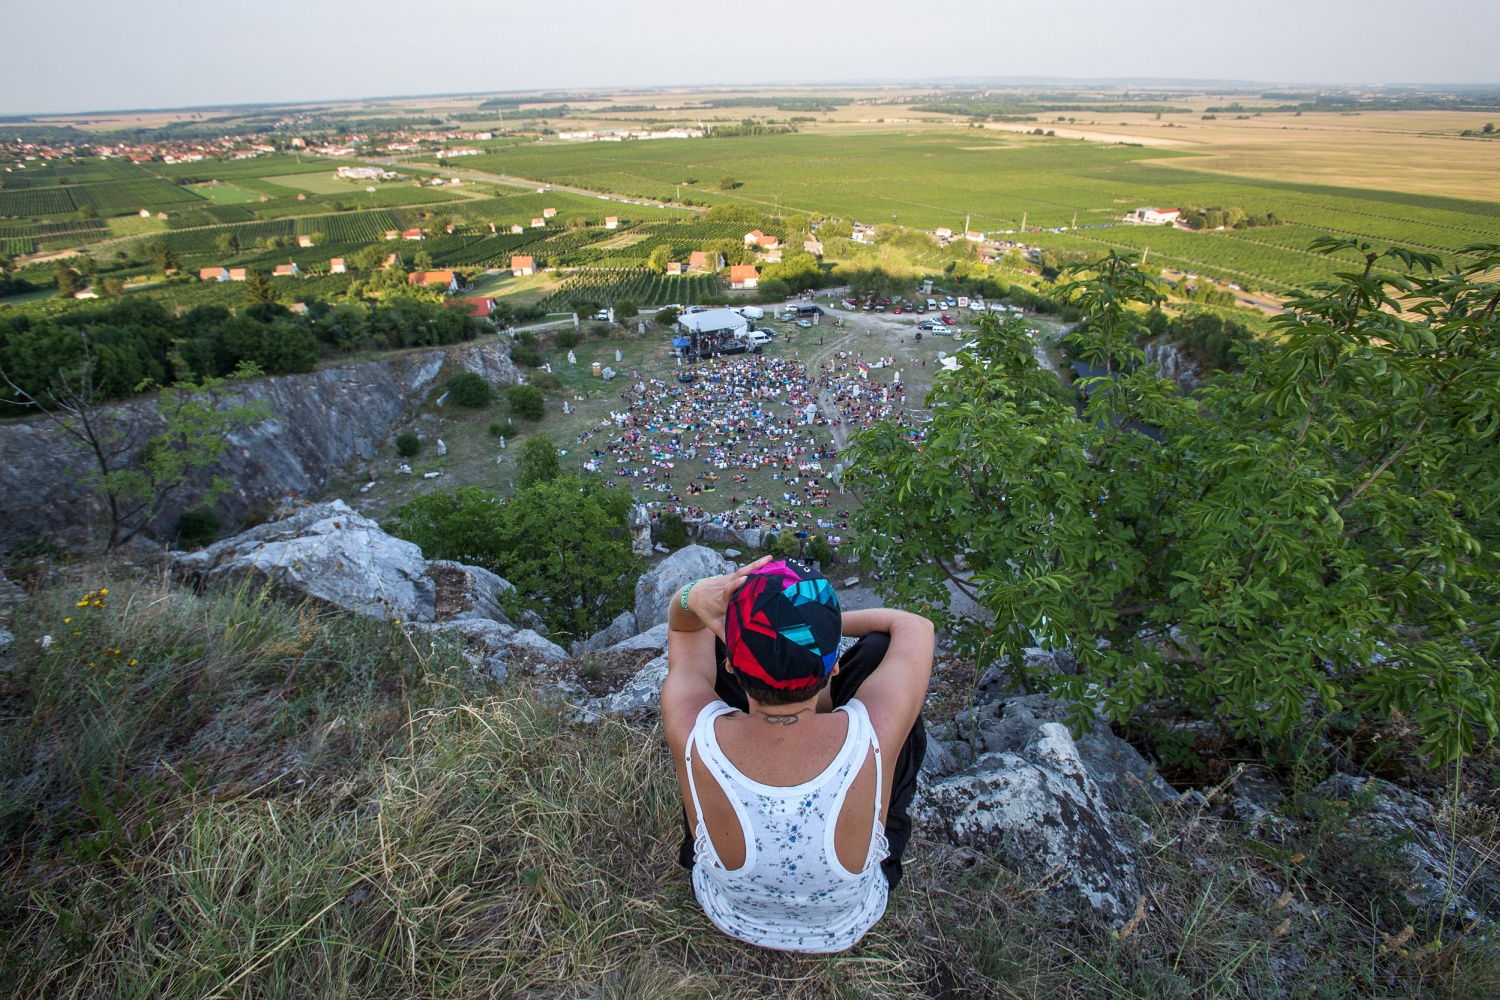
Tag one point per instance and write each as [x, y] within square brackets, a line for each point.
[946, 319]
[938, 328]
[896, 311]
[926, 324]
[921, 308]
[804, 323]
[950, 301]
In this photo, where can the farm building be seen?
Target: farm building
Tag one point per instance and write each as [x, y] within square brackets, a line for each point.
[538, 223]
[391, 234]
[1153, 216]
[943, 233]
[548, 213]
[236, 274]
[674, 267]
[213, 274]
[518, 228]
[611, 222]
[412, 234]
[752, 238]
[743, 276]
[699, 260]
[337, 266]
[480, 307]
[446, 281]
[304, 241]
[285, 271]
[522, 265]
[360, 173]
[814, 247]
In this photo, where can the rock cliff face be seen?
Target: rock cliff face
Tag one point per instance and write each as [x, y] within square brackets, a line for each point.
[320, 422]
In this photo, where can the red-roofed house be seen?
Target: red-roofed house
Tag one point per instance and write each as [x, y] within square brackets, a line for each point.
[611, 222]
[213, 274]
[767, 242]
[236, 274]
[753, 237]
[392, 260]
[304, 240]
[518, 228]
[522, 265]
[447, 281]
[338, 266]
[391, 234]
[743, 276]
[699, 260]
[538, 223]
[480, 307]
[548, 213]
[674, 267]
[285, 271]
[412, 234]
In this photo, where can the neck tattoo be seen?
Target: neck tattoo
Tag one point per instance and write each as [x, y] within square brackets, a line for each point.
[780, 720]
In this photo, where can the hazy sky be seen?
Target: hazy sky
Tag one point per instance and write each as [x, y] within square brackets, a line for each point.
[91, 55]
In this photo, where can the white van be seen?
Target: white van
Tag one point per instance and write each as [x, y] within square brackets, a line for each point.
[751, 312]
[932, 303]
[754, 338]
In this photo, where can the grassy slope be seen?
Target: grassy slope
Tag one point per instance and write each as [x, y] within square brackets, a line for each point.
[248, 799]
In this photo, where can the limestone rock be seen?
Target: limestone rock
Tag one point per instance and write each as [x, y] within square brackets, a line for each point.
[1042, 812]
[1456, 876]
[642, 693]
[328, 552]
[623, 627]
[653, 638]
[655, 588]
[493, 646]
[1008, 726]
[490, 360]
[467, 591]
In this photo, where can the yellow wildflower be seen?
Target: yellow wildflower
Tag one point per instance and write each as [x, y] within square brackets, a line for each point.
[67, 621]
[134, 662]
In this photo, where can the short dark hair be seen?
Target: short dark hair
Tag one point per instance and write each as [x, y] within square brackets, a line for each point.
[764, 693]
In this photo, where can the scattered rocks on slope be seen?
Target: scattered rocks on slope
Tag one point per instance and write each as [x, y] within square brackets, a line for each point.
[467, 591]
[1042, 812]
[496, 647]
[638, 697]
[654, 638]
[656, 587]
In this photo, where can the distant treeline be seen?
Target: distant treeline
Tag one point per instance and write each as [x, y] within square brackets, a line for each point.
[779, 103]
[1457, 101]
[1007, 111]
[137, 340]
[747, 127]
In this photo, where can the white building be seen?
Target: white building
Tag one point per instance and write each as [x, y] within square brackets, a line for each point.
[1153, 216]
[714, 322]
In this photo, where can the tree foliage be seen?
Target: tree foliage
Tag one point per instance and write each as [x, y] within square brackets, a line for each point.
[537, 462]
[526, 401]
[469, 389]
[1312, 534]
[562, 543]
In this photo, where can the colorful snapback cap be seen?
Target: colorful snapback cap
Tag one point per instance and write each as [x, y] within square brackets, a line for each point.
[783, 626]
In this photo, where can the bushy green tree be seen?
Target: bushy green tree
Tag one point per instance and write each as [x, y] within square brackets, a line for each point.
[1313, 534]
[674, 533]
[537, 462]
[408, 444]
[659, 259]
[258, 286]
[526, 401]
[469, 389]
[564, 545]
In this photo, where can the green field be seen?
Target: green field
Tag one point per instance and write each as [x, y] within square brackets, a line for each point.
[937, 179]
[224, 193]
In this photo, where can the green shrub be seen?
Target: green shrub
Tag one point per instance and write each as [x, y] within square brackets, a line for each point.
[502, 428]
[197, 528]
[469, 389]
[408, 444]
[526, 401]
[568, 338]
[528, 356]
[674, 533]
[626, 309]
[819, 551]
[537, 462]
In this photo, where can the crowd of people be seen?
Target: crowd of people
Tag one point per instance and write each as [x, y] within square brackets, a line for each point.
[862, 399]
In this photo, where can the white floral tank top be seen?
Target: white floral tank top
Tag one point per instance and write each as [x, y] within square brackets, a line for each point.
[791, 893]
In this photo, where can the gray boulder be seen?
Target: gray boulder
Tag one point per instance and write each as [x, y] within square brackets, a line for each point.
[1041, 812]
[655, 589]
[1009, 725]
[623, 627]
[641, 694]
[653, 638]
[328, 552]
[488, 358]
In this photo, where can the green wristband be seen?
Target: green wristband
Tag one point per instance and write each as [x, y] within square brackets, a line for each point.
[685, 592]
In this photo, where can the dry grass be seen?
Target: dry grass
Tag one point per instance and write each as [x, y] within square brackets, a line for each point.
[276, 803]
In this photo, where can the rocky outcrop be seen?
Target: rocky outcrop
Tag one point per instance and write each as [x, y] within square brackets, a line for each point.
[654, 638]
[320, 422]
[331, 553]
[1008, 725]
[638, 697]
[655, 588]
[1042, 812]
